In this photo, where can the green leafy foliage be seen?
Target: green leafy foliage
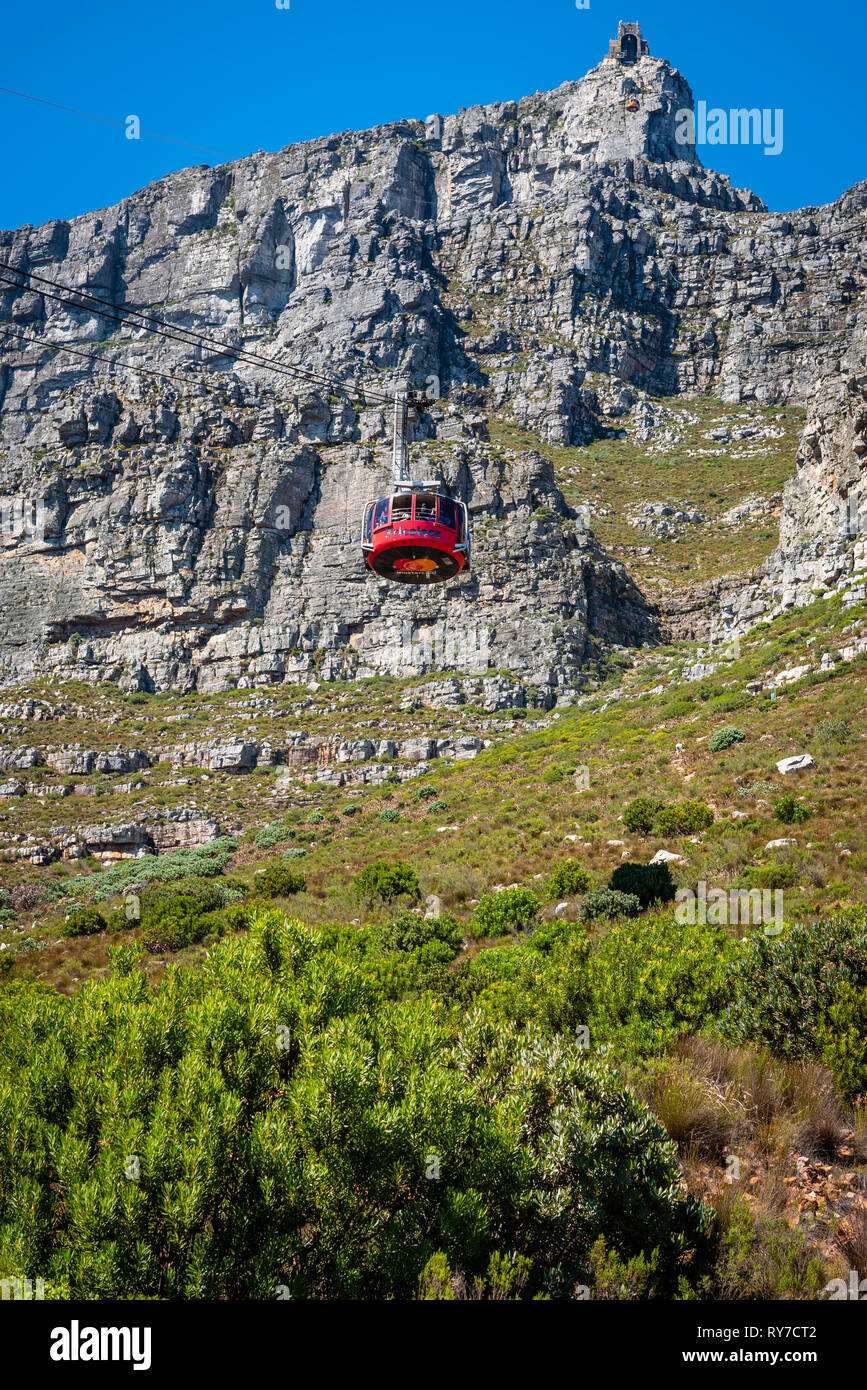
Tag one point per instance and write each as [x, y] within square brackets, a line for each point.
[271, 835]
[649, 883]
[173, 923]
[608, 902]
[843, 1041]
[725, 737]
[567, 880]
[268, 1120]
[84, 921]
[784, 988]
[683, 818]
[279, 881]
[510, 910]
[640, 815]
[384, 882]
[770, 876]
[791, 811]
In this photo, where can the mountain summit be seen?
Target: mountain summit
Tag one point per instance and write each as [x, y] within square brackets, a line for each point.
[550, 270]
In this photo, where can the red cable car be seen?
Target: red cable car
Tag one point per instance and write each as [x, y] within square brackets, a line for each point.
[416, 536]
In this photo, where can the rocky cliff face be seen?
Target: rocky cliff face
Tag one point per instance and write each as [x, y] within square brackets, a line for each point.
[551, 261]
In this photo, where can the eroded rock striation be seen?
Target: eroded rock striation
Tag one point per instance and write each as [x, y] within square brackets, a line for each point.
[552, 261]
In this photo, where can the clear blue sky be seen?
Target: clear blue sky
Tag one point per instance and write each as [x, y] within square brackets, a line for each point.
[246, 75]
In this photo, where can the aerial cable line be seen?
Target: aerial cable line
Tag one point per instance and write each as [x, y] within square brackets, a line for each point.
[105, 120]
[108, 362]
[198, 339]
[175, 332]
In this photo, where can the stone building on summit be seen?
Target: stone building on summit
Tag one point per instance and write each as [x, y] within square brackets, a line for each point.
[629, 46]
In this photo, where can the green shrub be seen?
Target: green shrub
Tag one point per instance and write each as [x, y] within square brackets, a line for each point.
[676, 709]
[315, 818]
[640, 814]
[271, 835]
[208, 893]
[683, 818]
[783, 989]
[172, 924]
[567, 881]
[84, 921]
[206, 862]
[727, 704]
[655, 979]
[843, 1041]
[791, 811]
[770, 876]
[432, 941]
[6, 963]
[238, 916]
[294, 852]
[725, 737]
[437, 807]
[423, 793]
[285, 1117]
[389, 814]
[510, 910]
[833, 731]
[386, 882]
[762, 1258]
[279, 881]
[649, 883]
[608, 902]
[351, 809]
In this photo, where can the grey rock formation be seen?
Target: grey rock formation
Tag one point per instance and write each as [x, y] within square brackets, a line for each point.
[545, 261]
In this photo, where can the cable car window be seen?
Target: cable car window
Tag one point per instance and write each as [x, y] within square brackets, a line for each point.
[425, 506]
[368, 519]
[380, 517]
[448, 516]
[401, 507]
[460, 534]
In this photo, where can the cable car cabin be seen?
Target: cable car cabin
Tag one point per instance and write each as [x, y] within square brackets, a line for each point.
[416, 537]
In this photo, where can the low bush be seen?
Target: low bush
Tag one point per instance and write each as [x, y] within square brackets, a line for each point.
[725, 737]
[567, 881]
[271, 835]
[430, 940]
[784, 989]
[279, 881]
[770, 876]
[790, 811]
[389, 814]
[511, 910]
[193, 1068]
[683, 818]
[843, 1041]
[649, 883]
[84, 921]
[172, 924]
[640, 815]
[386, 882]
[608, 902]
